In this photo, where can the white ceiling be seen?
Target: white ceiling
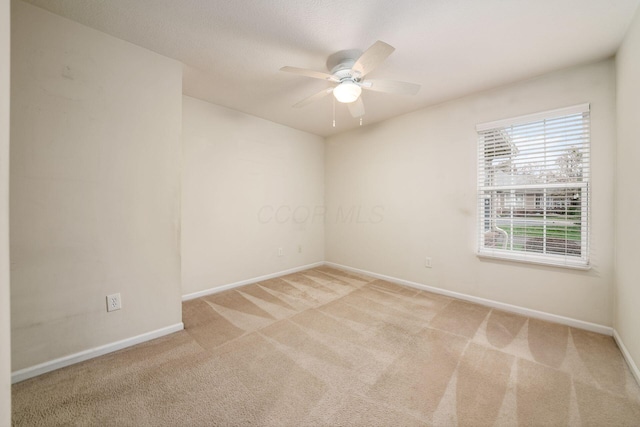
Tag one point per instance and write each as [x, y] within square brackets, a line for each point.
[232, 49]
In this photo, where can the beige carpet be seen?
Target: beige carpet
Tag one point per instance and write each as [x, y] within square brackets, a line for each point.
[329, 348]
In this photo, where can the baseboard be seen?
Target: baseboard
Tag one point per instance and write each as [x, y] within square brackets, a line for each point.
[33, 371]
[627, 356]
[580, 324]
[226, 287]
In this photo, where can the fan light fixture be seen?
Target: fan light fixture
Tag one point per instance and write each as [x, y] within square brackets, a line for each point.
[347, 92]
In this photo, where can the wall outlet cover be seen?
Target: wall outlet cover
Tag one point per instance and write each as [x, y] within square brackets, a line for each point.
[114, 302]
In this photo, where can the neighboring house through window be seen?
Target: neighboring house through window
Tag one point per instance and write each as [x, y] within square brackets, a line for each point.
[533, 187]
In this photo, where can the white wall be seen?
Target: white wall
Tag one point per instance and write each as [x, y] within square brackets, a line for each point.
[95, 187]
[5, 328]
[410, 185]
[250, 186]
[627, 313]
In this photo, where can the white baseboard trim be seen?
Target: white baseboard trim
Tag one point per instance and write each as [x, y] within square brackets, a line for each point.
[33, 371]
[226, 287]
[627, 356]
[580, 324]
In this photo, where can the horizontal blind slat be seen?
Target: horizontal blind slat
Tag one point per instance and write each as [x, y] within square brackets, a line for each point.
[576, 109]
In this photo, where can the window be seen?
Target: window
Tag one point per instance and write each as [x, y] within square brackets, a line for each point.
[533, 188]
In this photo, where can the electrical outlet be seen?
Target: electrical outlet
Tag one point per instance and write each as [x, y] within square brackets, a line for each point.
[279, 251]
[113, 302]
[427, 262]
[299, 249]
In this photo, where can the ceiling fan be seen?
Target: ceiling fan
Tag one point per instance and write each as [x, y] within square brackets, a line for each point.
[348, 69]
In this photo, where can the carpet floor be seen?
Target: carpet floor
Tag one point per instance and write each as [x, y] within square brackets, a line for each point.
[325, 347]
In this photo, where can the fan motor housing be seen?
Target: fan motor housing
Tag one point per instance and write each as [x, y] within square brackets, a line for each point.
[340, 64]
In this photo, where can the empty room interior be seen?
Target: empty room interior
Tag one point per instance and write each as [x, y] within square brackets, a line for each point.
[319, 212]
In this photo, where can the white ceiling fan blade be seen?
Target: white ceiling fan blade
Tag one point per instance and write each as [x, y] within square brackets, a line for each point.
[391, 86]
[313, 98]
[356, 108]
[372, 57]
[308, 73]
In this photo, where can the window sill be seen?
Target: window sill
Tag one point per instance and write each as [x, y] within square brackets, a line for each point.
[532, 259]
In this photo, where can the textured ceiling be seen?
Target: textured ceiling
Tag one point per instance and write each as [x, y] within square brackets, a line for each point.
[232, 50]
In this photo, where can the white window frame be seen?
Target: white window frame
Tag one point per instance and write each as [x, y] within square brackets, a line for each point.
[487, 190]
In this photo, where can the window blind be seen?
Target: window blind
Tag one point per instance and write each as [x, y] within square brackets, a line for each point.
[533, 187]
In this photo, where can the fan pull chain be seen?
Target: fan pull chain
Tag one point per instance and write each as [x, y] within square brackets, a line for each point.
[334, 112]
